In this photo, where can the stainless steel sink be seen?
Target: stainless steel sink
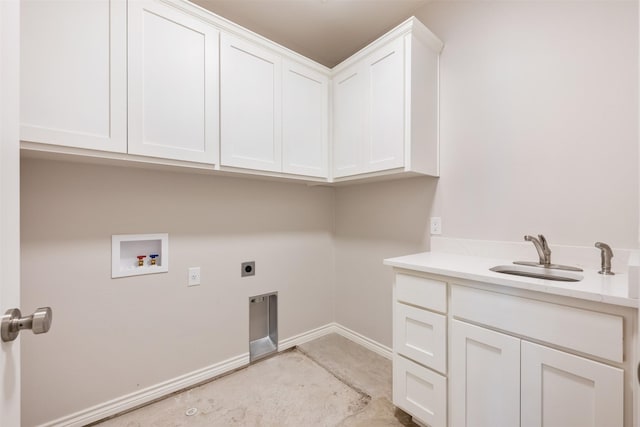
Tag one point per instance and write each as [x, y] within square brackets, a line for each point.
[537, 272]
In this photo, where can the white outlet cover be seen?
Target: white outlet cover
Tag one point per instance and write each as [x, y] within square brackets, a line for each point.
[194, 276]
[436, 225]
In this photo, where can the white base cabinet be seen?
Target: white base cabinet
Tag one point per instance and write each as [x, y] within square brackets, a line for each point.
[488, 357]
[420, 348]
[500, 380]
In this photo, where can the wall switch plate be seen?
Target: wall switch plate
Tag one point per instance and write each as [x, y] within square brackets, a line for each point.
[194, 276]
[436, 225]
[248, 269]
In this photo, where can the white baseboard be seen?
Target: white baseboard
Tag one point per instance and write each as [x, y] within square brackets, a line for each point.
[336, 328]
[368, 343]
[306, 337]
[148, 394]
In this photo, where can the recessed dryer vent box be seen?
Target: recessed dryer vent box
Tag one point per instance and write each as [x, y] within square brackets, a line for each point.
[136, 254]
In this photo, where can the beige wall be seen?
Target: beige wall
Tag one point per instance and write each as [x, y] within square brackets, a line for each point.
[373, 222]
[539, 120]
[111, 337]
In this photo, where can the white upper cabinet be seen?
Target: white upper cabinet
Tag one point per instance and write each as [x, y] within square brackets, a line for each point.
[385, 106]
[305, 122]
[274, 111]
[165, 79]
[348, 121]
[384, 135]
[74, 73]
[173, 83]
[251, 105]
[369, 113]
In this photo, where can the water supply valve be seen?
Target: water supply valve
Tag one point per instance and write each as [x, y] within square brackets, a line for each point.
[153, 258]
[141, 260]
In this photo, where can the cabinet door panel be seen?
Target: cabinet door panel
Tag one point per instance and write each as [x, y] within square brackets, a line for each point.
[420, 391]
[485, 377]
[348, 122]
[421, 335]
[384, 147]
[251, 106]
[173, 84]
[560, 389]
[74, 73]
[304, 121]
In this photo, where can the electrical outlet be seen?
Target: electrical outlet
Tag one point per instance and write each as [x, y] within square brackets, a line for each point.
[194, 276]
[436, 225]
[248, 269]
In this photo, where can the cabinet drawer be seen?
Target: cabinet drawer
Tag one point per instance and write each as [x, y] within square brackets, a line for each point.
[590, 332]
[420, 392]
[423, 292]
[421, 335]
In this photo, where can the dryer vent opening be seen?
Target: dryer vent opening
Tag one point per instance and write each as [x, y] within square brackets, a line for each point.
[263, 325]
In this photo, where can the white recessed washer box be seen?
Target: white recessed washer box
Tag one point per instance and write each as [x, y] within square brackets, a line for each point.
[127, 248]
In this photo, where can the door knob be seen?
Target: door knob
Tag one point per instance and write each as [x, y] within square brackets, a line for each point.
[13, 322]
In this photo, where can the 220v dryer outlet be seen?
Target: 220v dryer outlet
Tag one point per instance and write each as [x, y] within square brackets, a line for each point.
[248, 269]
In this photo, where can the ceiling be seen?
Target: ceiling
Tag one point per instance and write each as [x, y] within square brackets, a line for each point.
[327, 31]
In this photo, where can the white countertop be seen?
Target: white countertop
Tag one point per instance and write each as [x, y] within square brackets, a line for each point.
[594, 286]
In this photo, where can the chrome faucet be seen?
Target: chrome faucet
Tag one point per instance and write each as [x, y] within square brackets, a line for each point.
[542, 247]
[545, 255]
[605, 256]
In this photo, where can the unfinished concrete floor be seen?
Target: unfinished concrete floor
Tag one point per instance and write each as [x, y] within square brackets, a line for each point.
[330, 381]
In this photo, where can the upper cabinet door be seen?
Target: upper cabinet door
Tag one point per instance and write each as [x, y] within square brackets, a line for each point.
[385, 98]
[74, 73]
[173, 84]
[304, 121]
[251, 105]
[348, 121]
[385, 106]
[369, 113]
